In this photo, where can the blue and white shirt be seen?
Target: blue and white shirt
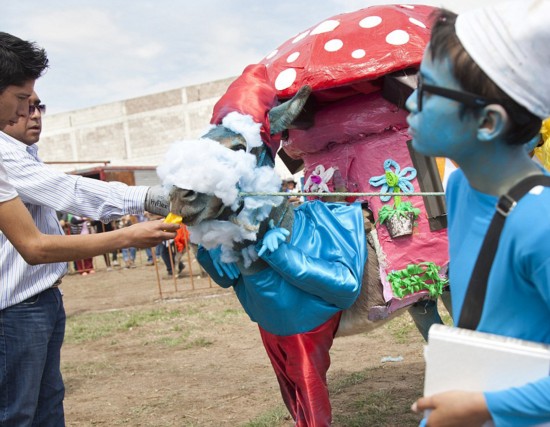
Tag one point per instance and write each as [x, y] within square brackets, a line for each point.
[45, 190]
[7, 192]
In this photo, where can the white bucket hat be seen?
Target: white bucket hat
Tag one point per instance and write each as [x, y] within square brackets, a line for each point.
[510, 41]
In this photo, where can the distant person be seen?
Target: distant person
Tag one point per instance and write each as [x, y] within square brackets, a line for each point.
[80, 225]
[128, 254]
[168, 255]
[289, 186]
[101, 227]
[32, 318]
[158, 249]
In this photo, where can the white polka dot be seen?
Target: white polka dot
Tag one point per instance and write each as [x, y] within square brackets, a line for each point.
[333, 45]
[397, 37]
[408, 6]
[325, 27]
[370, 22]
[293, 57]
[285, 79]
[300, 37]
[417, 22]
[358, 54]
[272, 54]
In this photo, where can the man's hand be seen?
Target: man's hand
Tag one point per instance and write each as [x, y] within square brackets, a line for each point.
[148, 234]
[454, 409]
[228, 269]
[273, 238]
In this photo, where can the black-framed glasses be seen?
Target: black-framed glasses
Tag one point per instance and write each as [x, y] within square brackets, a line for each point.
[39, 107]
[466, 98]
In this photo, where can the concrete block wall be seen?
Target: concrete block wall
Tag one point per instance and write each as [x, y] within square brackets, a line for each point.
[132, 132]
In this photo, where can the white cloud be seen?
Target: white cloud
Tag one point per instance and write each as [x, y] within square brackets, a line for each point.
[103, 51]
[83, 27]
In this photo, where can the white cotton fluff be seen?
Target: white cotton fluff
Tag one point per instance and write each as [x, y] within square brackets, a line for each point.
[206, 166]
[246, 126]
[249, 255]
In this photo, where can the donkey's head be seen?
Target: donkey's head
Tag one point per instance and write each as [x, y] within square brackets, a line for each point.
[194, 205]
[240, 159]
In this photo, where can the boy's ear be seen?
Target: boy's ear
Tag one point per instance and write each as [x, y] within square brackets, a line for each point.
[492, 122]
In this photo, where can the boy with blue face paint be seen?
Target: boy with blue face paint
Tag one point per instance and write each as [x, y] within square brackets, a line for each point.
[482, 95]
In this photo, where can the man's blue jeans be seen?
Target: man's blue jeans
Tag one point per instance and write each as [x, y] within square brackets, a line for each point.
[31, 386]
[129, 254]
[149, 252]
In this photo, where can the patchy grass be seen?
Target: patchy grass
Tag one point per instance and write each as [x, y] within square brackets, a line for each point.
[198, 361]
[400, 328]
[340, 384]
[378, 408]
[93, 326]
[88, 369]
[383, 405]
[273, 418]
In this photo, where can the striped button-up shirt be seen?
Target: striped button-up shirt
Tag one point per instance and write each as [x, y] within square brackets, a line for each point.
[7, 192]
[45, 191]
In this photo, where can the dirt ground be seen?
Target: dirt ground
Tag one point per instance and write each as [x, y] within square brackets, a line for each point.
[193, 358]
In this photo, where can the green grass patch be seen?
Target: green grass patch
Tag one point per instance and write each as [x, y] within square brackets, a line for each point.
[93, 326]
[400, 328]
[182, 341]
[339, 384]
[175, 326]
[378, 407]
[273, 418]
[87, 369]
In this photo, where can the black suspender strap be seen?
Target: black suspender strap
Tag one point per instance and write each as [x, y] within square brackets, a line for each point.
[475, 295]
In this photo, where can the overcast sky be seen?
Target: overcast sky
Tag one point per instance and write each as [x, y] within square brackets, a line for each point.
[102, 51]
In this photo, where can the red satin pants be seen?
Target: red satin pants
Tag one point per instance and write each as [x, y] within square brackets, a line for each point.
[301, 362]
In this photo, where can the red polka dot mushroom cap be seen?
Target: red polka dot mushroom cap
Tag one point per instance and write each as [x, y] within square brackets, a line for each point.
[351, 48]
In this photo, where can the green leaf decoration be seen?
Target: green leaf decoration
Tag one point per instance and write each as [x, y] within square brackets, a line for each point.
[417, 277]
[402, 209]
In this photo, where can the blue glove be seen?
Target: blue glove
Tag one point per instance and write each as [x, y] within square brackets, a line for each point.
[273, 238]
[228, 269]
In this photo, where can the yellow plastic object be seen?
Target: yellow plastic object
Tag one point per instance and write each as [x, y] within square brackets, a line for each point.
[172, 218]
[543, 152]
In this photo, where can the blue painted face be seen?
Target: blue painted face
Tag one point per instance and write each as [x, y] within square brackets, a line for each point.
[438, 130]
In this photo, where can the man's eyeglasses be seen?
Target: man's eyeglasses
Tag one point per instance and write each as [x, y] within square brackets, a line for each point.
[466, 98]
[40, 107]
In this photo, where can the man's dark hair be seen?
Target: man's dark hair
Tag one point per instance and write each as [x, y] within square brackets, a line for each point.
[445, 43]
[20, 61]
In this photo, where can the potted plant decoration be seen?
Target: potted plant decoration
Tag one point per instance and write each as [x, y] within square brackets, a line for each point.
[399, 218]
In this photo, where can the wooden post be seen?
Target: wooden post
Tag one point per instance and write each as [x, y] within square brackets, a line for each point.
[189, 263]
[173, 267]
[157, 271]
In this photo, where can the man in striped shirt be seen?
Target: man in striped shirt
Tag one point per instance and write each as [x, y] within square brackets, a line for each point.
[30, 316]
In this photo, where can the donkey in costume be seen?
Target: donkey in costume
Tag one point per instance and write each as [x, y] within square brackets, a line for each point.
[303, 274]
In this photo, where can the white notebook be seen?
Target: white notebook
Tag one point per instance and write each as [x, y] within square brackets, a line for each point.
[461, 359]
